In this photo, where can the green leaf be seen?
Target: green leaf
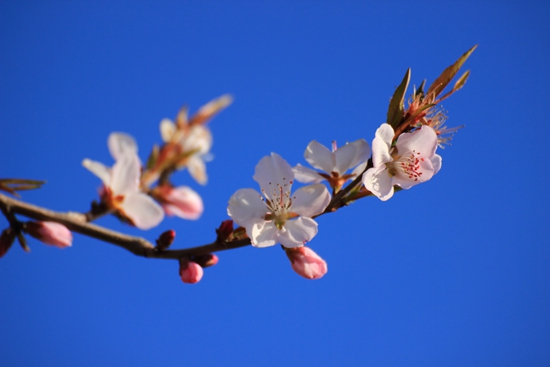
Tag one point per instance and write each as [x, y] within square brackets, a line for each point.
[448, 74]
[420, 90]
[397, 102]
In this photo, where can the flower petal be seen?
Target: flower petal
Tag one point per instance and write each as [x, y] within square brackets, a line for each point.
[306, 175]
[262, 233]
[386, 133]
[350, 155]
[144, 212]
[320, 157]
[423, 141]
[425, 170]
[310, 200]
[125, 175]
[437, 161]
[246, 205]
[167, 130]
[297, 232]
[271, 172]
[197, 169]
[183, 202]
[379, 182]
[120, 144]
[98, 169]
[380, 152]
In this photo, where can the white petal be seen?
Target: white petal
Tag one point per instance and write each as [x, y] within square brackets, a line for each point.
[423, 141]
[144, 212]
[198, 138]
[437, 161]
[246, 205]
[262, 233]
[120, 144]
[379, 183]
[98, 169]
[320, 157]
[297, 232]
[197, 169]
[310, 200]
[380, 152]
[306, 175]
[359, 169]
[272, 171]
[386, 133]
[350, 155]
[167, 130]
[125, 175]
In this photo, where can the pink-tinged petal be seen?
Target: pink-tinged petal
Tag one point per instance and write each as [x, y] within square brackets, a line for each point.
[262, 233]
[296, 233]
[246, 205]
[320, 157]
[386, 133]
[437, 161]
[306, 175]
[310, 200]
[380, 152]
[306, 262]
[98, 169]
[190, 272]
[182, 201]
[125, 175]
[425, 172]
[50, 233]
[350, 155]
[271, 172]
[121, 144]
[144, 212]
[379, 182]
[197, 169]
[423, 141]
[167, 130]
[198, 139]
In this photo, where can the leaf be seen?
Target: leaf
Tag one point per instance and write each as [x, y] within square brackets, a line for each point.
[448, 74]
[23, 242]
[458, 85]
[397, 102]
[420, 90]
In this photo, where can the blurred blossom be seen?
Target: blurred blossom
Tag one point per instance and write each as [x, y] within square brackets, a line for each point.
[280, 217]
[121, 183]
[50, 233]
[190, 272]
[180, 201]
[410, 162]
[306, 262]
[334, 164]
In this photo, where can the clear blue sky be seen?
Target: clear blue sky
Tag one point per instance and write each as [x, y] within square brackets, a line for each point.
[454, 272]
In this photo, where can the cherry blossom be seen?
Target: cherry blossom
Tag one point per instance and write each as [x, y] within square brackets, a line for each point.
[410, 162]
[121, 183]
[51, 233]
[180, 201]
[334, 164]
[276, 215]
[306, 262]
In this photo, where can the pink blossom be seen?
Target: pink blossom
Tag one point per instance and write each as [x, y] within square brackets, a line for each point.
[190, 272]
[51, 233]
[306, 262]
[180, 201]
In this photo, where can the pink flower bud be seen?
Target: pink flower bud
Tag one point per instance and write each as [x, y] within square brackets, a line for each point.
[190, 272]
[225, 230]
[306, 262]
[50, 233]
[166, 239]
[179, 201]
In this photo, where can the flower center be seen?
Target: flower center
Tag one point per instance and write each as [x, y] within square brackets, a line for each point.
[408, 164]
[280, 202]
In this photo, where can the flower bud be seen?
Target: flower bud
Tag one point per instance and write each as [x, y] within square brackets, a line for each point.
[6, 240]
[190, 272]
[180, 201]
[165, 239]
[206, 260]
[50, 233]
[306, 262]
[225, 230]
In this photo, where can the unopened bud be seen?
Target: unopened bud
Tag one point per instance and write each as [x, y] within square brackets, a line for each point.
[50, 233]
[165, 240]
[225, 230]
[206, 260]
[306, 262]
[190, 272]
[6, 240]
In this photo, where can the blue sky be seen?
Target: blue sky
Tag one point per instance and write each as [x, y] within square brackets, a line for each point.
[453, 272]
